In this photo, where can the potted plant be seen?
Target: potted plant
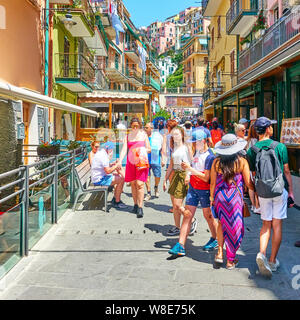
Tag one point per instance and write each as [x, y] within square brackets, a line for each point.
[46, 149]
[260, 26]
[73, 145]
[245, 43]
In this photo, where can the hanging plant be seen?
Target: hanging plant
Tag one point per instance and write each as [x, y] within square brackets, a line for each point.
[260, 23]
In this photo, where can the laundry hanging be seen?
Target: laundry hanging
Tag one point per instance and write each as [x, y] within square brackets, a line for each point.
[116, 22]
[143, 56]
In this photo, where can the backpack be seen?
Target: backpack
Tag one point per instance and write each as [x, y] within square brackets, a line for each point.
[269, 181]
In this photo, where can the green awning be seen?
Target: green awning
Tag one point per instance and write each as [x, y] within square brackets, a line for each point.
[119, 51]
[134, 34]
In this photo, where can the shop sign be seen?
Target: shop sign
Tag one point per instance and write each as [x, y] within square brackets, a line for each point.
[253, 114]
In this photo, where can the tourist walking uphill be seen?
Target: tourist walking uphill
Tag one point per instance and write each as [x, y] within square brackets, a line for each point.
[156, 141]
[136, 145]
[269, 162]
[178, 186]
[229, 172]
[199, 192]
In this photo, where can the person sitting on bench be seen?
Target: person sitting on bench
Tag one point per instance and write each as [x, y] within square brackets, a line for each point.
[105, 174]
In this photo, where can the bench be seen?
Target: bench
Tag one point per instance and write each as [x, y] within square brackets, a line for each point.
[83, 177]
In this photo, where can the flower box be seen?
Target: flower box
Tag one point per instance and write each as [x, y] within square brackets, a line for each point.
[47, 151]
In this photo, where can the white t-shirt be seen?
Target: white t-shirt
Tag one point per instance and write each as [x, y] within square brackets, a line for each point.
[100, 161]
[180, 155]
[121, 126]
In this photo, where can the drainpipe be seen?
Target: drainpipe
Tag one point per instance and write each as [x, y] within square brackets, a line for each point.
[46, 84]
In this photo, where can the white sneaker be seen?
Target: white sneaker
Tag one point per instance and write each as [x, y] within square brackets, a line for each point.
[257, 210]
[148, 197]
[156, 193]
[274, 266]
[263, 265]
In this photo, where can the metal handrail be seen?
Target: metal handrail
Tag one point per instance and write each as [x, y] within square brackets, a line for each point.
[18, 184]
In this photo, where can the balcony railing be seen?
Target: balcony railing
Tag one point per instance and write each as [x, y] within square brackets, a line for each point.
[131, 46]
[84, 7]
[202, 49]
[132, 73]
[237, 9]
[75, 65]
[153, 83]
[277, 35]
[100, 82]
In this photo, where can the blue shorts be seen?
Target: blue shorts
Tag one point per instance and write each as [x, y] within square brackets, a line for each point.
[195, 196]
[105, 181]
[156, 170]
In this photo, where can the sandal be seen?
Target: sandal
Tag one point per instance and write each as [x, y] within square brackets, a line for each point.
[219, 260]
[235, 264]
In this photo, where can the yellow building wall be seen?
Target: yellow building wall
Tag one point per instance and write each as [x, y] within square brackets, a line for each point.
[223, 46]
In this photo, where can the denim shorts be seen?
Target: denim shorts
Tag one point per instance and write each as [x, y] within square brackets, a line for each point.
[156, 170]
[105, 181]
[195, 196]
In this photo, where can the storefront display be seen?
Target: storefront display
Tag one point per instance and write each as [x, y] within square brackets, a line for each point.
[290, 132]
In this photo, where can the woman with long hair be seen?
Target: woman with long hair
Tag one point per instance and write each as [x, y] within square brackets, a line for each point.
[166, 148]
[229, 173]
[178, 186]
[252, 137]
[199, 192]
[136, 145]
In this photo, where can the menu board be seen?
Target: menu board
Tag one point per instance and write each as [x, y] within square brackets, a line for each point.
[290, 132]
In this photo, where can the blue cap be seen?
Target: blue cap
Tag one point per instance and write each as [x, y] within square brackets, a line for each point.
[198, 135]
[108, 145]
[243, 120]
[263, 123]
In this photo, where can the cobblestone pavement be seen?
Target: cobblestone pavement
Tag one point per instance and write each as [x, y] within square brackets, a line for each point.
[90, 254]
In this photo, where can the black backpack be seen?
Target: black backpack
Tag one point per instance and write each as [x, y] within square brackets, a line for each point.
[269, 181]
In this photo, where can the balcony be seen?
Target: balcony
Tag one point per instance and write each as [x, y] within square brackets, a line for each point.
[149, 81]
[217, 88]
[207, 94]
[152, 63]
[241, 16]
[210, 7]
[131, 51]
[135, 77]
[74, 72]
[84, 16]
[100, 82]
[271, 42]
[115, 72]
[103, 9]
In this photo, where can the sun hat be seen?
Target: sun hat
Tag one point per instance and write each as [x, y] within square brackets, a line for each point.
[108, 145]
[197, 135]
[229, 145]
[262, 123]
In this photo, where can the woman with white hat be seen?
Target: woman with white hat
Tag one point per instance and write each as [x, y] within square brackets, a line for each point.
[229, 173]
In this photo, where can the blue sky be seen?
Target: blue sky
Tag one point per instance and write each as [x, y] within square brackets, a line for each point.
[144, 12]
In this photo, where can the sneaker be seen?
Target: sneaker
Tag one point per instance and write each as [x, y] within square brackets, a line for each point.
[193, 226]
[174, 231]
[156, 193]
[263, 265]
[257, 211]
[140, 213]
[119, 205]
[274, 266]
[148, 197]
[211, 245]
[177, 250]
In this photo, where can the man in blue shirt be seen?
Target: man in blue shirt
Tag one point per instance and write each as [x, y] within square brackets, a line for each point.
[200, 125]
[156, 141]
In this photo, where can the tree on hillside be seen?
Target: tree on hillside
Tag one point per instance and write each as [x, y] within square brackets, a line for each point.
[175, 80]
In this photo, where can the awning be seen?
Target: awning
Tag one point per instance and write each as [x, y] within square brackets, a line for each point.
[203, 41]
[13, 92]
[135, 35]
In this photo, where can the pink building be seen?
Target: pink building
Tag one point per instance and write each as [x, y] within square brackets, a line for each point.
[184, 13]
[162, 36]
[276, 8]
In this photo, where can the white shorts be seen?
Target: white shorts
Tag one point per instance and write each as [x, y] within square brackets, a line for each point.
[274, 208]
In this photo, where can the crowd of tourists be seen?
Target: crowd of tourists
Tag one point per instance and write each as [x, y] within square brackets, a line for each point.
[208, 168]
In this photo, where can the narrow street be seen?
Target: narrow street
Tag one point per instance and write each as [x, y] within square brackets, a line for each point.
[90, 254]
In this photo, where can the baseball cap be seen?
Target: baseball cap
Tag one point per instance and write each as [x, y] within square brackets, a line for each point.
[262, 123]
[198, 135]
[243, 120]
[108, 146]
